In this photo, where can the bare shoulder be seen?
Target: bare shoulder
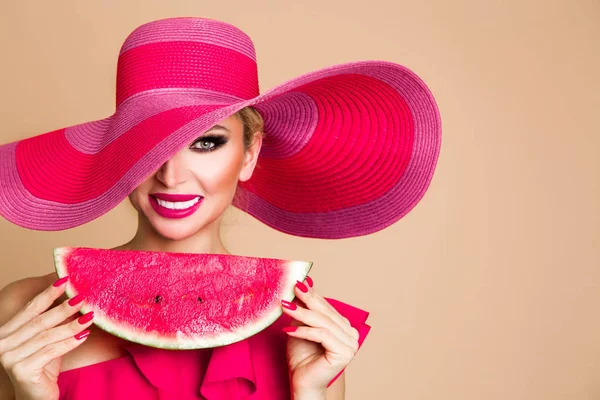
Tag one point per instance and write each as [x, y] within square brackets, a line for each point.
[17, 294]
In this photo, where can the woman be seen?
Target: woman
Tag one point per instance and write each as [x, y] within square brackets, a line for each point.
[190, 121]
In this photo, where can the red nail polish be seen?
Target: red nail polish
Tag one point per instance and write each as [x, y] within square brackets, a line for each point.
[290, 328]
[76, 300]
[82, 334]
[302, 287]
[288, 305]
[309, 281]
[86, 318]
[60, 281]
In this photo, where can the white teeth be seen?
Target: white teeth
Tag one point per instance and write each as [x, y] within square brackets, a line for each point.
[179, 205]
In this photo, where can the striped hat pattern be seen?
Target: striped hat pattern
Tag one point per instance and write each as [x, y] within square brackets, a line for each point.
[348, 150]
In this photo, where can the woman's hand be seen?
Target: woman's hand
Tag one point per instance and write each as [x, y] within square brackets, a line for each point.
[321, 344]
[32, 343]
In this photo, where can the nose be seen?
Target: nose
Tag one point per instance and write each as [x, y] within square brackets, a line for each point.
[173, 172]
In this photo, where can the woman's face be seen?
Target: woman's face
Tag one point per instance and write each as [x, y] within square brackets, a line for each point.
[208, 169]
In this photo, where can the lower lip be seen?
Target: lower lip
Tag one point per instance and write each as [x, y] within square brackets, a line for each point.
[169, 213]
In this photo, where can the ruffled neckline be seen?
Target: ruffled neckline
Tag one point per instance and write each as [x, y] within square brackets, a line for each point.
[229, 369]
[252, 368]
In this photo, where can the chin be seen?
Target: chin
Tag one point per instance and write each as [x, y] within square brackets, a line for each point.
[179, 229]
[176, 229]
[173, 232]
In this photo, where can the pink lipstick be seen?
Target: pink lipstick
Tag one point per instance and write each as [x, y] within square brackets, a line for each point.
[169, 212]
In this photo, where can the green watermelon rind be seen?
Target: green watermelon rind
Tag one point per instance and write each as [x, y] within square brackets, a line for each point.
[297, 271]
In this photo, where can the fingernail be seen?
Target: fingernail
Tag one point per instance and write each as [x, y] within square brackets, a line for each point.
[86, 318]
[288, 305]
[309, 281]
[60, 281]
[76, 300]
[82, 334]
[290, 328]
[302, 287]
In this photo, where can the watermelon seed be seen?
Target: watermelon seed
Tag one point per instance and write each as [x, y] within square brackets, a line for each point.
[199, 300]
[157, 299]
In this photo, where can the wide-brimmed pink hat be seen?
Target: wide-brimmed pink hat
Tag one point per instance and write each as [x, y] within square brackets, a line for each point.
[348, 149]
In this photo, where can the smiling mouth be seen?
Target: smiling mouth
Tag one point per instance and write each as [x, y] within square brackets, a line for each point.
[177, 205]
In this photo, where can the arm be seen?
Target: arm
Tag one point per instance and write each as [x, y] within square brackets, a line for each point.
[337, 391]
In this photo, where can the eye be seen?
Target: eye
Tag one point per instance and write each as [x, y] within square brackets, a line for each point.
[208, 143]
[204, 145]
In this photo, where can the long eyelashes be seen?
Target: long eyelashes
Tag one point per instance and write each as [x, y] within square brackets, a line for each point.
[208, 143]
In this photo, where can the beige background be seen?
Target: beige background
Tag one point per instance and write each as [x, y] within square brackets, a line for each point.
[490, 288]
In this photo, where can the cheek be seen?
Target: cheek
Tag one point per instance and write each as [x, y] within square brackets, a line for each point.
[138, 196]
[218, 173]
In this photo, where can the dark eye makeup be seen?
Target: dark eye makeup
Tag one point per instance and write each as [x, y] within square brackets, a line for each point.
[208, 143]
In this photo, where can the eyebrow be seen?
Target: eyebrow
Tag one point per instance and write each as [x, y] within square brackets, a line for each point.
[219, 127]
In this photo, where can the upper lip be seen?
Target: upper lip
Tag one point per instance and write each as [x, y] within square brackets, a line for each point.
[174, 197]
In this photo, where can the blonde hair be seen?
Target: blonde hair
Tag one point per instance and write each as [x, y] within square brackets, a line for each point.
[253, 128]
[253, 125]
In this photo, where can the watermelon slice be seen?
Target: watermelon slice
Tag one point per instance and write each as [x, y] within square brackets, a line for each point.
[178, 300]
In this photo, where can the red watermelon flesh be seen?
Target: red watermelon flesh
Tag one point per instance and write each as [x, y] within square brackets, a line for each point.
[179, 300]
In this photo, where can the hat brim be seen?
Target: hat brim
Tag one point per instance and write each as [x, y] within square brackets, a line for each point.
[349, 150]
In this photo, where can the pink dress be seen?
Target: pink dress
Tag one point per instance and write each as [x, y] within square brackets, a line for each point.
[255, 368]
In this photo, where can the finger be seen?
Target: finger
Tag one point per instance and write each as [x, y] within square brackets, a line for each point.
[34, 307]
[317, 320]
[38, 360]
[41, 323]
[45, 338]
[338, 352]
[306, 293]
